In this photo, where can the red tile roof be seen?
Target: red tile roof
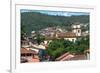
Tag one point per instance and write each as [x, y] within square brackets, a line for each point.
[66, 35]
[34, 60]
[25, 50]
[62, 56]
[78, 57]
[65, 57]
[61, 35]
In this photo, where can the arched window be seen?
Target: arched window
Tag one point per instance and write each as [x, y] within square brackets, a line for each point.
[78, 31]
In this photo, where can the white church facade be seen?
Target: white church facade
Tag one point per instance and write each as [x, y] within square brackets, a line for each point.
[73, 35]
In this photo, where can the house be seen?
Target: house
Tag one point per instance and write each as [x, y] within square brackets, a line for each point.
[24, 41]
[68, 35]
[85, 33]
[68, 56]
[87, 53]
[27, 52]
[28, 55]
[33, 33]
[65, 57]
[78, 57]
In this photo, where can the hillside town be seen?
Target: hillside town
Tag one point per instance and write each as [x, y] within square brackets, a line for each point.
[36, 48]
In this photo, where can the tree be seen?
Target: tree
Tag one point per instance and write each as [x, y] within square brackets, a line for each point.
[23, 32]
[37, 21]
[85, 41]
[81, 45]
[39, 38]
[57, 47]
[60, 46]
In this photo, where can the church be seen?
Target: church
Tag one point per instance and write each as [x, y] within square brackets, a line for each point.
[72, 35]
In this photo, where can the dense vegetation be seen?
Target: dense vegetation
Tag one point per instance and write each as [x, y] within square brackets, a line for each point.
[36, 21]
[39, 38]
[60, 46]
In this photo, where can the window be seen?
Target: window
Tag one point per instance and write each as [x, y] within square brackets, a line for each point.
[78, 31]
[73, 40]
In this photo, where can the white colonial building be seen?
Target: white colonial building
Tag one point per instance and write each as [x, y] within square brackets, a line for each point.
[73, 35]
[76, 30]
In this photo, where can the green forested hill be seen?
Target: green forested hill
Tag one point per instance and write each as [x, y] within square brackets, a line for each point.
[36, 21]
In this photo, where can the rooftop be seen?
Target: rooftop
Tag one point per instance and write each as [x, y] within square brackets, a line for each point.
[27, 50]
[66, 35]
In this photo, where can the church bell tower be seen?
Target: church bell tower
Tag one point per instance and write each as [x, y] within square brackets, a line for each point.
[76, 29]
